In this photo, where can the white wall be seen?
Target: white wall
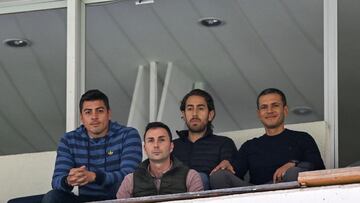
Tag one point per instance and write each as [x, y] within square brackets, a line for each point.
[26, 174]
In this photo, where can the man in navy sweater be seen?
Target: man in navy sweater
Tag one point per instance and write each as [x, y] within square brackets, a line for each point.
[277, 156]
[96, 156]
[198, 147]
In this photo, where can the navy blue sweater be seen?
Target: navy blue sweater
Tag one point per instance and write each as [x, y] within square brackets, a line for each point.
[111, 157]
[204, 154]
[264, 155]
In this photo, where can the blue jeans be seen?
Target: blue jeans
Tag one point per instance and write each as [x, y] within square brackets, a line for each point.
[59, 196]
[27, 199]
[205, 180]
[225, 179]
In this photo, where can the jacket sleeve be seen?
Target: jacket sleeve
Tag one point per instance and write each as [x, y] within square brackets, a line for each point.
[239, 161]
[228, 150]
[311, 153]
[64, 162]
[131, 156]
[126, 188]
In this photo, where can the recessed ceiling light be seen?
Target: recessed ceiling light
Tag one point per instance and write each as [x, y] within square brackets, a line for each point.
[302, 110]
[17, 42]
[140, 2]
[211, 22]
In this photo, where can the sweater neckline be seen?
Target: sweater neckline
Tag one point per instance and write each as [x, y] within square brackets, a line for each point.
[184, 134]
[276, 136]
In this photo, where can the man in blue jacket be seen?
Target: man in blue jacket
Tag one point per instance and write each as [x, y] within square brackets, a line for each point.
[96, 156]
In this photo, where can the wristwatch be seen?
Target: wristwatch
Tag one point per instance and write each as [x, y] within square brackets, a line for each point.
[296, 162]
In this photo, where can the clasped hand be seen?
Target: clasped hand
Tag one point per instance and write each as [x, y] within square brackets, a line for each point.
[80, 176]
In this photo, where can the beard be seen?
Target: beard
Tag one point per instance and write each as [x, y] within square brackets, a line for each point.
[196, 128]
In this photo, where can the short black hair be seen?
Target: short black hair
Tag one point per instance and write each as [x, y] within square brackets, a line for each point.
[153, 125]
[271, 91]
[92, 95]
[202, 93]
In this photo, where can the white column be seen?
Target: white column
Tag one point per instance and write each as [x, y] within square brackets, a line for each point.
[153, 104]
[331, 76]
[74, 78]
[139, 110]
[165, 91]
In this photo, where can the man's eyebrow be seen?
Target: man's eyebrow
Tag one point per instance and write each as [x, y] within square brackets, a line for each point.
[270, 104]
[89, 109]
[196, 105]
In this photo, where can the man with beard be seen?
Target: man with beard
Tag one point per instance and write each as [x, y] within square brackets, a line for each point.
[277, 156]
[198, 147]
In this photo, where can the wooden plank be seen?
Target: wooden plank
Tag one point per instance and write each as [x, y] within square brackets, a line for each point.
[330, 177]
[208, 193]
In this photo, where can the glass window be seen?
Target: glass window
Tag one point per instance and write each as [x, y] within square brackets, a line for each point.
[32, 80]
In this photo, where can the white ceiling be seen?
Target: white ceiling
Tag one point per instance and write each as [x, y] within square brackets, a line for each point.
[263, 43]
[268, 43]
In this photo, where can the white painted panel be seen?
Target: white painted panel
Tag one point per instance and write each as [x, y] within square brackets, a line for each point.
[138, 116]
[26, 174]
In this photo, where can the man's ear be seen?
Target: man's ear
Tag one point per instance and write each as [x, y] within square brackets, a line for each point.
[211, 115]
[171, 147]
[286, 110]
[258, 113]
[182, 115]
[110, 114]
[81, 118]
[145, 149]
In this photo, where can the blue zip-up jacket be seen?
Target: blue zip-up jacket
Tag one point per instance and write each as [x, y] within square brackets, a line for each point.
[111, 157]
